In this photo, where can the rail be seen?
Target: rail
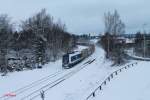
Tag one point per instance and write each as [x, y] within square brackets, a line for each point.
[137, 58]
[108, 79]
[45, 88]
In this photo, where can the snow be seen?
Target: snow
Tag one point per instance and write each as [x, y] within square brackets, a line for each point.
[75, 53]
[133, 84]
[80, 47]
[80, 85]
[17, 80]
[84, 78]
[75, 86]
[94, 40]
[129, 40]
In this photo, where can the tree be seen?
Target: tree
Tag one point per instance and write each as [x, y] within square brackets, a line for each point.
[113, 23]
[53, 34]
[40, 52]
[139, 38]
[39, 41]
[5, 35]
[105, 42]
[114, 27]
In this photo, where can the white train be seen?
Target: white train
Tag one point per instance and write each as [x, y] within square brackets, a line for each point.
[71, 59]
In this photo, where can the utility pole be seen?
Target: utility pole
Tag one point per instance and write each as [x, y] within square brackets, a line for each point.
[144, 38]
[144, 46]
[108, 46]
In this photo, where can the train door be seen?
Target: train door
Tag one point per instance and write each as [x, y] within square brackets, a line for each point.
[65, 60]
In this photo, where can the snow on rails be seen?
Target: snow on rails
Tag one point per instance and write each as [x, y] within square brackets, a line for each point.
[32, 91]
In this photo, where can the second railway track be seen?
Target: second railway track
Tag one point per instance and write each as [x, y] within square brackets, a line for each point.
[44, 84]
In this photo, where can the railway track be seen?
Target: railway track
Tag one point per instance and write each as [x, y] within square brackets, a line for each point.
[32, 85]
[44, 83]
[52, 84]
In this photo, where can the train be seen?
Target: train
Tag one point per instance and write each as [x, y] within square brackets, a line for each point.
[71, 59]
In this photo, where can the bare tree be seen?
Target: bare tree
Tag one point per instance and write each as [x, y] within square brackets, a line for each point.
[113, 28]
[113, 23]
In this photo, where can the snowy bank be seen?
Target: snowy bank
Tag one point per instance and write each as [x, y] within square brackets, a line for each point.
[132, 84]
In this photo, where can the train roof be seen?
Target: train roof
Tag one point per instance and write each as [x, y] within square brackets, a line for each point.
[75, 53]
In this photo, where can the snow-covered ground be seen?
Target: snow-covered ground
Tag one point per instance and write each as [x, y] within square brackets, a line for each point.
[132, 84]
[80, 47]
[76, 87]
[94, 40]
[79, 86]
[17, 80]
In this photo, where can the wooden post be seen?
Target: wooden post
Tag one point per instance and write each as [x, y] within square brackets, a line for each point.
[116, 73]
[111, 75]
[104, 82]
[100, 87]
[108, 78]
[93, 94]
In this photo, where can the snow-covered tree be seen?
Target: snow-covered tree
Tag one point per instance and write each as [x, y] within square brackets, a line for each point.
[5, 36]
[114, 27]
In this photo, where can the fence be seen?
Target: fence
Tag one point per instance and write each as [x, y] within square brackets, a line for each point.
[108, 79]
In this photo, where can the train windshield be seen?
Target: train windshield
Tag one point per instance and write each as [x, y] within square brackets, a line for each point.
[66, 59]
[76, 57]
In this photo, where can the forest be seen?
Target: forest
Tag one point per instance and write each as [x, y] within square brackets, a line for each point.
[39, 40]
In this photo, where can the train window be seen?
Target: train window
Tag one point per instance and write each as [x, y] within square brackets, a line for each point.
[79, 56]
[73, 58]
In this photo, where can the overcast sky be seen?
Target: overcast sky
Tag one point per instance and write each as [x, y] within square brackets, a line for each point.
[82, 16]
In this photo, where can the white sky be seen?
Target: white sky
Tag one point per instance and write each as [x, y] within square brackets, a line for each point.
[82, 16]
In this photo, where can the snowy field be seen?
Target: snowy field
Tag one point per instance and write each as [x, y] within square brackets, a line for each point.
[132, 84]
[75, 86]
[79, 86]
[16, 80]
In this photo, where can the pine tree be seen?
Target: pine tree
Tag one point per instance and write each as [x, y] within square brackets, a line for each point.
[40, 52]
